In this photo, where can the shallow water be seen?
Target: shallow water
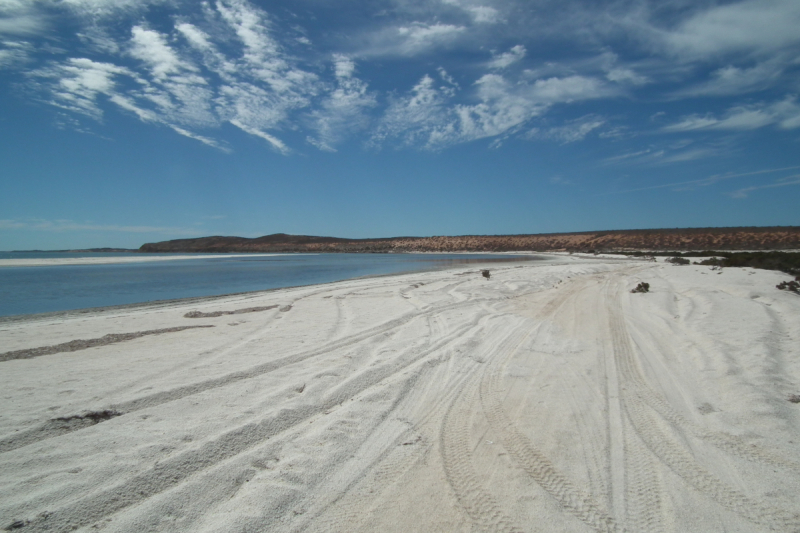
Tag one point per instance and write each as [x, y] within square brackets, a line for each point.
[26, 290]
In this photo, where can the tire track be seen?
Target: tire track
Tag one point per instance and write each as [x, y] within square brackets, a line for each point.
[536, 464]
[643, 492]
[473, 496]
[633, 376]
[573, 500]
[479, 504]
[680, 461]
[637, 398]
[45, 431]
[398, 458]
[85, 344]
[173, 471]
[636, 487]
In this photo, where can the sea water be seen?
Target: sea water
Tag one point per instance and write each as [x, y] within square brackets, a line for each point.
[40, 289]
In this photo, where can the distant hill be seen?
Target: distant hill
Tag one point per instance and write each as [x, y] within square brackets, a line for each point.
[684, 239]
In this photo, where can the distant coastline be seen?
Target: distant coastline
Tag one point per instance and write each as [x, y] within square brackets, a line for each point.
[679, 239]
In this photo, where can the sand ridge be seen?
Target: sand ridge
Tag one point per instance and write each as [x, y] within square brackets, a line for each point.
[546, 398]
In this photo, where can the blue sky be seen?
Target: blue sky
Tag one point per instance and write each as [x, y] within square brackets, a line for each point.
[131, 121]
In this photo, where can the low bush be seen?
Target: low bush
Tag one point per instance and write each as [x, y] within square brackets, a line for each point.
[678, 260]
[792, 286]
[788, 262]
[642, 287]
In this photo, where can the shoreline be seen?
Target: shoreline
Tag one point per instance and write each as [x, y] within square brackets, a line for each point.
[172, 302]
[81, 261]
[389, 402]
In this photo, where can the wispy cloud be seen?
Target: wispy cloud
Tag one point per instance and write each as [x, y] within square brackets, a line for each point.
[426, 116]
[344, 109]
[20, 18]
[186, 83]
[195, 67]
[783, 182]
[705, 182]
[759, 27]
[573, 131]
[735, 80]
[409, 40]
[785, 114]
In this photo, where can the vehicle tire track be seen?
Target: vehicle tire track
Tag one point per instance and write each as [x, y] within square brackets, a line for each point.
[85, 344]
[680, 461]
[636, 402]
[45, 431]
[535, 463]
[173, 471]
[643, 487]
[479, 504]
[634, 377]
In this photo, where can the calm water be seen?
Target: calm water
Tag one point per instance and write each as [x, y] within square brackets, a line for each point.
[25, 290]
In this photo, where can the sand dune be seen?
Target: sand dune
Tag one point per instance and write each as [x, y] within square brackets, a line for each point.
[547, 398]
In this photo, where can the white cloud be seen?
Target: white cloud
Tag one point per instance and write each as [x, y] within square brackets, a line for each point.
[752, 26]
[415, 116]
[343, 110]
[263, 57]
[272, 140]
[677, 151]
[127, 104]
[19, 18]
[427, 116]
[21, 25]
[409, 40]
[480, 14]
[505, 59]
[419, 37]
[196, 37]
[14, 53]
[625, 75]
[80, 81]
[186, 82]
[344, 67]
[569, 89]
[730, 80]
[574, 131]
[99, 9]
[785, 114]
[151, 47]
[204, 140]
[231, 62]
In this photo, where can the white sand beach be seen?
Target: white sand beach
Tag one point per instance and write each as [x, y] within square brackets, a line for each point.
[547, 398]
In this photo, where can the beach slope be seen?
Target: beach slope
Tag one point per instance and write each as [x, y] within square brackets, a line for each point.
[547, 397]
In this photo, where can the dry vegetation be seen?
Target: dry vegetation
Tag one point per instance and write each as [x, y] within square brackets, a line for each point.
[746, 238]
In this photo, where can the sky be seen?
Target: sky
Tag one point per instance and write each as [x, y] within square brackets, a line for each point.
[132, 121]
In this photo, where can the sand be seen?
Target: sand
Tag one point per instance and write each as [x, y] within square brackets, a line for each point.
[547, 398]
